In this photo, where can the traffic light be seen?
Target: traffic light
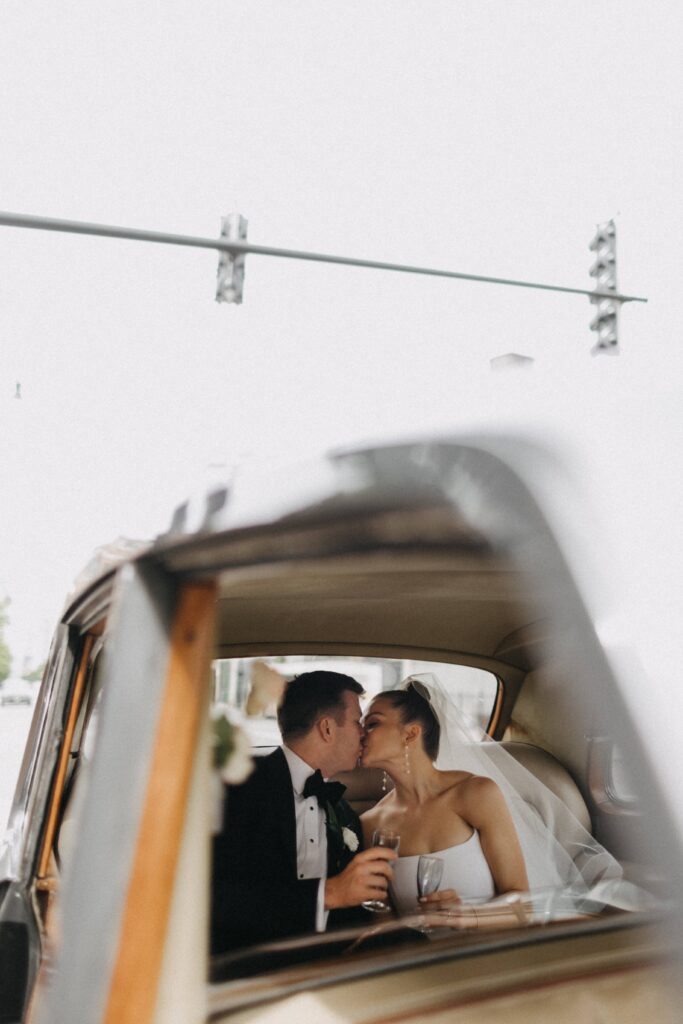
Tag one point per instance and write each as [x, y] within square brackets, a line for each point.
[231, 267]
[604, 270]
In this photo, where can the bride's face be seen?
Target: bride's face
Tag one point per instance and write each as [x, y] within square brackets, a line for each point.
[383, 736]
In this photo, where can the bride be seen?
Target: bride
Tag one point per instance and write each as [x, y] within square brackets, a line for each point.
[460, 796]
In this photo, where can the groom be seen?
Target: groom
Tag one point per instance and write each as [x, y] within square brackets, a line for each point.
[286, 862]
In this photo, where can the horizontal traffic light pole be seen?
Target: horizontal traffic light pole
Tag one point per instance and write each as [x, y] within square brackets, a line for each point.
[21, 220]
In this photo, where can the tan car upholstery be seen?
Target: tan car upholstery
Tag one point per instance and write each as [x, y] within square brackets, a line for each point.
[555, 776]
[364, 785]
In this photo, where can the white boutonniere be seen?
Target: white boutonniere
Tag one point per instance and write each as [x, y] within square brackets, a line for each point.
[231, 759]
[350, 839]
[231, 750]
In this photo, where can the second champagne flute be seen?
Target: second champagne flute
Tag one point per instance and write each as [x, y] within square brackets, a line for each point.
[382, 837]
[429, 874]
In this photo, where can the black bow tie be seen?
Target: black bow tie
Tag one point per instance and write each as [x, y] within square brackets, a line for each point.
[324, 792]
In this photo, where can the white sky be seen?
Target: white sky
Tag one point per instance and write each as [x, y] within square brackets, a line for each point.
[486, 137]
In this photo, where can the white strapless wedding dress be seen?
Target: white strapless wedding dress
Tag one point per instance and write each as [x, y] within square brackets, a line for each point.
[465, 869]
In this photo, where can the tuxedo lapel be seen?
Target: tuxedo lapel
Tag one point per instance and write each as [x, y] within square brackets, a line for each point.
[339, 854]
[281, 800]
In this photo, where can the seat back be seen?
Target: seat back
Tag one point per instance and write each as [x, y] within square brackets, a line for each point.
[552, 774]
[364, 786]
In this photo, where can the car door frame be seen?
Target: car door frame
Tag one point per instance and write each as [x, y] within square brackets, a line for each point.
[27, 879]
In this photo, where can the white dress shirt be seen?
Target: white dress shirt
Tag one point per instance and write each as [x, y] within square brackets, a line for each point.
[311, 836]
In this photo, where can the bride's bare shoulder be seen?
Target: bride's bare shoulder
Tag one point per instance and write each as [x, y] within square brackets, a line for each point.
[454, 780]
[465, 785]
[476, 797]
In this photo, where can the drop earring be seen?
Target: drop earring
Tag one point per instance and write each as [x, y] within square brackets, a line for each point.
[384, 782]
[406, 757]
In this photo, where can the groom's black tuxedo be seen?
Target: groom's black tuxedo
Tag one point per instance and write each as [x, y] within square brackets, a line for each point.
[256, 894]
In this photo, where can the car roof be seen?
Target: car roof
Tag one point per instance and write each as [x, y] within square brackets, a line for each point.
[461, 492]
[413, 473]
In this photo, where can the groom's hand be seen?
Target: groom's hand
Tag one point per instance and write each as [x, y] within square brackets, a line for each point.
[367, 877]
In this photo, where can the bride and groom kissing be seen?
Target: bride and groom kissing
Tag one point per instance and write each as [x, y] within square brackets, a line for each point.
[293, 857]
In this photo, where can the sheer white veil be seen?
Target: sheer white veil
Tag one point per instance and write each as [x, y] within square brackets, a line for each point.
[568, 870]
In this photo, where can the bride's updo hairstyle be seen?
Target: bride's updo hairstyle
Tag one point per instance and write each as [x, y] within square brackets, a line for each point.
[414, 708]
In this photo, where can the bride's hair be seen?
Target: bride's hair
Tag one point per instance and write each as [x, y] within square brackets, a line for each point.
[414, 708]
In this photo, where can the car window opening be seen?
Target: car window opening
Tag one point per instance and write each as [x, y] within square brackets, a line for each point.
[247, 691]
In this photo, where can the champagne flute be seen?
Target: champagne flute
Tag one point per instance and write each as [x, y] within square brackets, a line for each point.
[382, 837]
[429, 874]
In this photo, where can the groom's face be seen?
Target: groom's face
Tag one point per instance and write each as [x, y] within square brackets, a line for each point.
[348, 735]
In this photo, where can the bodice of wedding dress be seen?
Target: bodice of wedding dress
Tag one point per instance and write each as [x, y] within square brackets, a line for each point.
[465, 869]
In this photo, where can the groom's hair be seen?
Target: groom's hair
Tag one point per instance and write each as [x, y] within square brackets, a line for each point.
[309, 697]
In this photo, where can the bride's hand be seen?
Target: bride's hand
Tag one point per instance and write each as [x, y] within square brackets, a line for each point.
[459, 918]
[443, 900]
[511, 910]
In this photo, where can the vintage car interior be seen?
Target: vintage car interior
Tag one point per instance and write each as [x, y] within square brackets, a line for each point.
[456, 597]
[473, 609]
[414, 557]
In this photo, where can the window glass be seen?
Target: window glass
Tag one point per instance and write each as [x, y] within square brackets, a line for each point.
[251, 687]
[622, 786]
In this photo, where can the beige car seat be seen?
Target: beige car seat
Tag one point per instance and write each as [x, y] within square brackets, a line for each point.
[364, 785]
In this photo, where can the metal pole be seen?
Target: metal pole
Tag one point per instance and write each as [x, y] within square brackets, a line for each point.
[21, 220]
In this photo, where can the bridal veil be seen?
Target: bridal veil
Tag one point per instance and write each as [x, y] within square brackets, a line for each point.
[569, 871]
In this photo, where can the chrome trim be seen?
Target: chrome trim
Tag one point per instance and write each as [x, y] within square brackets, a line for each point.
[42, 748]
[92, 605]
[226, 997]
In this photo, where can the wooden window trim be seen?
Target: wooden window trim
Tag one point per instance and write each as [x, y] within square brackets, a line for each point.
[133, 992]
[44, 860]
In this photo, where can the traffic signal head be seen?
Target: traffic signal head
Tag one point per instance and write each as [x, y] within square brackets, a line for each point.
[230, 283]
[604, 270]
[604, 235]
